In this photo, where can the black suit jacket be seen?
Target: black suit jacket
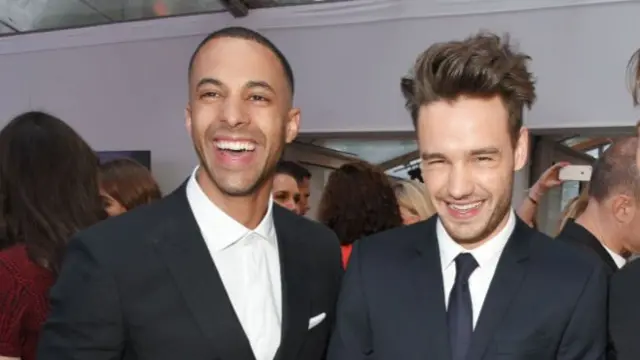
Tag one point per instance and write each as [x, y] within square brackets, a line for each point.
[577, 235]
[143, 286]
[624, 312]
[546, 301]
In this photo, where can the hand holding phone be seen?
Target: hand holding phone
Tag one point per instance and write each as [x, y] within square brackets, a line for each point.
[575, 173]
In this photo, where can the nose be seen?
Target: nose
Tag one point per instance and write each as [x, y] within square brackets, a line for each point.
[234, 112]
[460, 182]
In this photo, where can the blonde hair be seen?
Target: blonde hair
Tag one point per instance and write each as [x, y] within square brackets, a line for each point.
[574, 208]
[413, 196]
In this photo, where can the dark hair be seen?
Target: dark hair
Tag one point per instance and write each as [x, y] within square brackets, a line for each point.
[48, 186]
[129, 183]
[483, 65]
[247, 34]
[633, 73]
[292, 169]
[358, 200]
[616, 171]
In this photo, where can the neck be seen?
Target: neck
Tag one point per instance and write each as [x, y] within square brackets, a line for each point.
[591, 220]
[248, 210]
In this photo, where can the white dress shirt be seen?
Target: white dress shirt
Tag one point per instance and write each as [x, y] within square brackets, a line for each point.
[248, 263]
[487, 256]
[617, 258]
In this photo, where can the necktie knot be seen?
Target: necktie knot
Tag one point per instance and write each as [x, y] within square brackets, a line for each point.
[465, 265]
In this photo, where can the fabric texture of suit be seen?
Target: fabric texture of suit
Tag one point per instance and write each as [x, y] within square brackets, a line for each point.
[143, 286]
[575, 234]
[624, 312]
[546, 301]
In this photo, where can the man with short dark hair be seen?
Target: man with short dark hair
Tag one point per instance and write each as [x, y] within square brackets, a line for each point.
[610, 224]
[624, 296]
[474, 282]
[215, 270]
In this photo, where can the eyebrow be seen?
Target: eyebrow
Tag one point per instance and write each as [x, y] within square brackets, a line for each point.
[475, 152]
[249, 85]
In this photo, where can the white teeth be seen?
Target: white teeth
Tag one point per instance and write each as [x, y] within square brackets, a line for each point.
[235, 145]
[466, 207]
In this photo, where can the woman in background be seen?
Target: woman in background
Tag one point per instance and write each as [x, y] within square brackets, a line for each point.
[357, 201]
[126, 184]
[413, 201]
[48, 192]
[574, 208]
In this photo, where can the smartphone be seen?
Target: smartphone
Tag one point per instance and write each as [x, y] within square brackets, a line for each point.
[575, 173]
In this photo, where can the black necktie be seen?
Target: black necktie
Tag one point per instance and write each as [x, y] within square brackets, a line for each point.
[460, 310]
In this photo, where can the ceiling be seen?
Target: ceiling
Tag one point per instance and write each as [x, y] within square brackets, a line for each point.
[17, 16]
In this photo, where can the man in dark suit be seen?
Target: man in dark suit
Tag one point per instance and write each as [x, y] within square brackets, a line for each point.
[473, 282]
[215, 270]
[624, 297]
[607, 227]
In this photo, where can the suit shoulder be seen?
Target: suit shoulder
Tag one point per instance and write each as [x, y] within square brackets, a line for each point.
[126, 230]
[564, 257]
[396, 239]
[627, 276]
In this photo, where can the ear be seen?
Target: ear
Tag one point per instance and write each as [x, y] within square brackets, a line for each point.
[623, 208]
[521, 150]
[293, 125]
[187, 118]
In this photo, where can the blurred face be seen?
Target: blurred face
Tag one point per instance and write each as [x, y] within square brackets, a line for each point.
[111, 205]
[409, 216]
[468, 164]
[239, 115]
[285, 192]
[305, 194]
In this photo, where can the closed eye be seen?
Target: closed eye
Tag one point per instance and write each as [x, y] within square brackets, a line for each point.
[258, 98]
[210, 94]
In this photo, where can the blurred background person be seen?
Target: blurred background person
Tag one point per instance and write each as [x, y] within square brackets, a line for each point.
[303, 176]
[413, 201]
[285, 191]
[574, 208]
[126, 184]
[547, 181]
[48, 192]
[358, 200]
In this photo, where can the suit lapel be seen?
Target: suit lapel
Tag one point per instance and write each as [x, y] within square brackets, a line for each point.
[504, 287]
[184, 250]
[296, 302]
[426, 272]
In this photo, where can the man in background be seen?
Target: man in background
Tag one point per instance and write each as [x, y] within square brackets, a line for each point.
[304, 184]
[610, 224]
[624, 293]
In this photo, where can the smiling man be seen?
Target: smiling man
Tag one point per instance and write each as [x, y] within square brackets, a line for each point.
[215, 270]
[474, 282]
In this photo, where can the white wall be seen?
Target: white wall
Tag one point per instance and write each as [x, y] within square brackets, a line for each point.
[123, 86]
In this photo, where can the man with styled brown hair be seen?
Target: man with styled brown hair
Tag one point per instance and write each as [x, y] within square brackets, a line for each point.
[474, 282]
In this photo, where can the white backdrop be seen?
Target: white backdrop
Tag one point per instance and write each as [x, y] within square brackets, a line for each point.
[123, 86]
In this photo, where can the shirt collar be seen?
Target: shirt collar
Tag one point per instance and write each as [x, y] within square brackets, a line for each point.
[483, 254]
[617, 258]
[218, 228]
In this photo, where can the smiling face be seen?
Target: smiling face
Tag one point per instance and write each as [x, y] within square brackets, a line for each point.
[239, 114]
[468, 163]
